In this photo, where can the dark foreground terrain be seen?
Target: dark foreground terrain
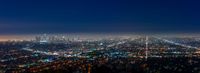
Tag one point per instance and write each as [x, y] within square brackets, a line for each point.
[122, 65]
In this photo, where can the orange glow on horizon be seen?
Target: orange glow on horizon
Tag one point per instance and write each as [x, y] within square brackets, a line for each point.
[14, 37]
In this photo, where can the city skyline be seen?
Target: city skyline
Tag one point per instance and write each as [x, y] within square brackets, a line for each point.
[29, 37]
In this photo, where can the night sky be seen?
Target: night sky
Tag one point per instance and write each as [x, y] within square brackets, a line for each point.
[69, 16]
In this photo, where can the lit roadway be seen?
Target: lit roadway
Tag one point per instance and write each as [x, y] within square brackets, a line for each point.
[37, 51]
[179, 44]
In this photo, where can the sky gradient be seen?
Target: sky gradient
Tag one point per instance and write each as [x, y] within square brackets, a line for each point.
[68, 16]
